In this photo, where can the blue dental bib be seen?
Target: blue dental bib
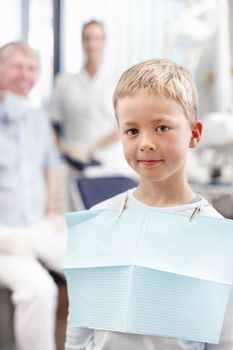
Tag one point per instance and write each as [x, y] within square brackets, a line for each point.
[149, 272]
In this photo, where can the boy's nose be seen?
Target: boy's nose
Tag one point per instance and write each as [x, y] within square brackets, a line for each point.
[147, 146]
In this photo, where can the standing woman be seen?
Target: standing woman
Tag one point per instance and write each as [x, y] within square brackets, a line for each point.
[81, 104]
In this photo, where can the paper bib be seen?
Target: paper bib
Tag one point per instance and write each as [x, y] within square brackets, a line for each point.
[149, 272]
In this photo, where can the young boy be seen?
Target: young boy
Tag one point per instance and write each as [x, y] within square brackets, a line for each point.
[156, 108]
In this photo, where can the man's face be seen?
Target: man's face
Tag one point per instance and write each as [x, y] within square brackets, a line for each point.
[18, 72]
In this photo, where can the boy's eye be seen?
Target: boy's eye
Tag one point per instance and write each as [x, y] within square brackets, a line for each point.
[132, 132]
[162, 129]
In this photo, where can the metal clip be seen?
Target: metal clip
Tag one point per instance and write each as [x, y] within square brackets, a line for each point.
[195, 212]
[123, 205]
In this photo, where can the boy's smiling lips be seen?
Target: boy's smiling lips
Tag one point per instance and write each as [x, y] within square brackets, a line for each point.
[149, 162]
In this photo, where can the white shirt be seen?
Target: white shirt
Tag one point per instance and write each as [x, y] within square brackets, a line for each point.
[87, 339]
[83, 105]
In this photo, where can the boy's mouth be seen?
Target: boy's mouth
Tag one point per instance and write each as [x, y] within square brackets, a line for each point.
[149, 162]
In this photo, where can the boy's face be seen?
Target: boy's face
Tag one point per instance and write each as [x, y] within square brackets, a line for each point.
[156, 136]
[18, 72]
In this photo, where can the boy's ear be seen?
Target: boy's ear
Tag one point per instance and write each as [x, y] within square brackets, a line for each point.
[196, 132]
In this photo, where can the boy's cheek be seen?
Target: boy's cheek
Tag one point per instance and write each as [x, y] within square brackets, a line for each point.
[128, 148]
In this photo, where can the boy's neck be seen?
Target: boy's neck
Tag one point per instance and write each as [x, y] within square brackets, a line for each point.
[162, 195]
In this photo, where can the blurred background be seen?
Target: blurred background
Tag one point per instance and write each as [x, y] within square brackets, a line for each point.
[195, 33]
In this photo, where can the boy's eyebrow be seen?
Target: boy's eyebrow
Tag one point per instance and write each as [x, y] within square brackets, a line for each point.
[164, 118]
[129, 123]
[153, 120]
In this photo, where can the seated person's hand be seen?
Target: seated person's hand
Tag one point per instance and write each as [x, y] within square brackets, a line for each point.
[78, 151]
[14, 244]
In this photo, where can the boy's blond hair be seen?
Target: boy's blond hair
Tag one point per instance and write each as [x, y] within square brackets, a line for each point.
[13, 46]
[160, 77]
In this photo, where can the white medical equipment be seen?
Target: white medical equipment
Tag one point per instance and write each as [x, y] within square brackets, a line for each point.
[216, 146]
[215, 159]
[188, 36]
[190, 32]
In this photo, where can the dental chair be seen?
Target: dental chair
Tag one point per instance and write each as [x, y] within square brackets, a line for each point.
[97, 189]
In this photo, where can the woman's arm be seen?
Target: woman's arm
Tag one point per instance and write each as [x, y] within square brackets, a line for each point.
[107, 140]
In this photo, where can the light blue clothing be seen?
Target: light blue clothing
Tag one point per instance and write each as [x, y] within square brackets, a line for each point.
[27, 150]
